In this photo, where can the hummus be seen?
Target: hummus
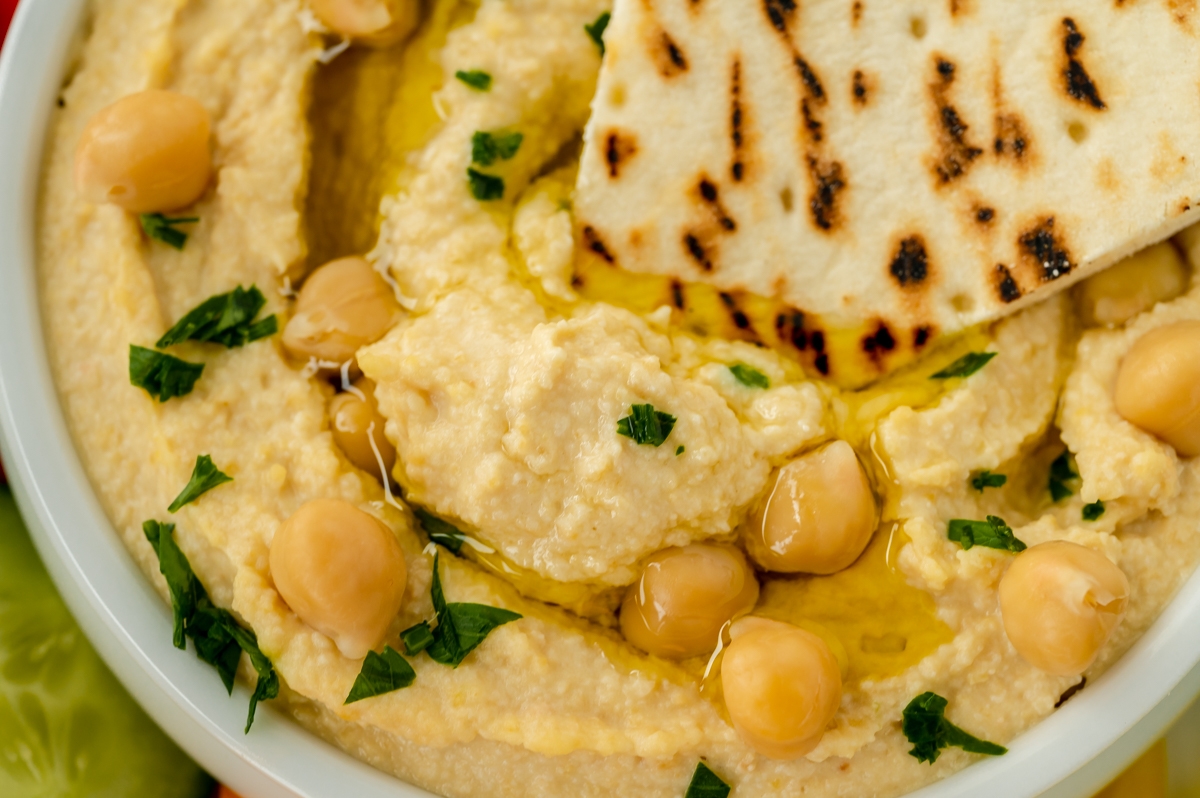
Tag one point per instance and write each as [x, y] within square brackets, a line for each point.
[503, 385]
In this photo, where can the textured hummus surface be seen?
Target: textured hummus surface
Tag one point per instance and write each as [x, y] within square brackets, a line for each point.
[502, 392]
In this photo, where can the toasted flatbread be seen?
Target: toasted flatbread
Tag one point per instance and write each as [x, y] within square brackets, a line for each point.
[904, 169]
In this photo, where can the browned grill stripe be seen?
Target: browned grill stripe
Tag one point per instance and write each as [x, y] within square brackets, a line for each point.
[956, 152]
[736, 123]
[696, 250]
[618, 149]
[780, 13]
[591, 240]
[1046, 251]
[1006, 286]
[910, 264]
[1078, 83]
[828, 184]
[860, 88]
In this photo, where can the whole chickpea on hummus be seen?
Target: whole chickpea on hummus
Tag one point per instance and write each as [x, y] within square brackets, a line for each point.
[554, 397]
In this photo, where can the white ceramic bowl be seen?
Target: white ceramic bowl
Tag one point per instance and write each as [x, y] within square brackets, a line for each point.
[1071, 755]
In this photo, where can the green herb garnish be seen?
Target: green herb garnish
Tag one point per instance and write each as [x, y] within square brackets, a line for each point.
[381, 673]
[1093, 511]
[205, 477]
[986, 479]
[162, 376]
[440, 531]
[992, 533]
[485, 187]
[926, 727]
[224, 319]
[1062, 472]
[679, 450]
[160, 227]
[460, 627]
[706, 784]
[750, 376]
[475, 78]
[595, 31]
[646, 425]
[417, 638]
[218, 638]
[965, 366]
[487, 148]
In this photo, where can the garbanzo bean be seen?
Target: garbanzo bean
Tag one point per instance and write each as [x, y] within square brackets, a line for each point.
[342, 306]
[1138, 283]
[1059, 602]
[375, 22]
[782, 686]
[819, 516]
[349, 420]
[146, 153]
[683, 598]
[1158, 385]
[341, 570]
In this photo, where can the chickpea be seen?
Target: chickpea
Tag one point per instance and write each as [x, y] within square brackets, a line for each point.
[1138, 283]
[1059, 602]
[146, 153]
[1158, 385]
[342, 306]
[342, 571]
[684, 597]
[819, 516]
[349, 420]
[782, 687]
[375, 22]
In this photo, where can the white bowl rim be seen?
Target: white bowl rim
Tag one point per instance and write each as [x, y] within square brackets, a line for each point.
[1118, 716]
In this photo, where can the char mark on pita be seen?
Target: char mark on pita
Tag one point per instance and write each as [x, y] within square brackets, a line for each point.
[591, 240]
[1079, 84]
[1011, 138]
[711, 196]
[985, 215]
[780, 13]
[668, 55]
[828, 183]
[618, 149]
[955, 152]
[1046, 251]
[922, 336]
[1006, 286]
[876, 344]
[699, 254]
[910, 266]
[737, 123]
[859, 87]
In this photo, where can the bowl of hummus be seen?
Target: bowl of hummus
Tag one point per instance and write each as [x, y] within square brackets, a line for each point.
[559, 397]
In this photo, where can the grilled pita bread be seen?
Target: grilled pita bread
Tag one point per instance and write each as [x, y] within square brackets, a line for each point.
[900, 169]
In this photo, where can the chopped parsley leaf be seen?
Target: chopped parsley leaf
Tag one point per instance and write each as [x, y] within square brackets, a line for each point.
[223, 319]
[646, 425]
[750, 376]
[218, 638]
[487, 148]
[205, 477]
[416, 638]
[706, 784]
[163, 376]
[160, 227]
[992, 533]
[1093, 511]
[440, 531]
[965, 366]
[595, 31]
[475, 78]
[381, 673]
[1061, 473]
[926, 727]
[485, 187]
[679, 450]
[986, 479]
[460, 627]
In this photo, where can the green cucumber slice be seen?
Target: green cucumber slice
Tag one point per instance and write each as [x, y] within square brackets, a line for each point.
[67, 727]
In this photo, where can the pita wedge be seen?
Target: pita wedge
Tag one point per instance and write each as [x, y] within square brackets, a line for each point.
[892, 171]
